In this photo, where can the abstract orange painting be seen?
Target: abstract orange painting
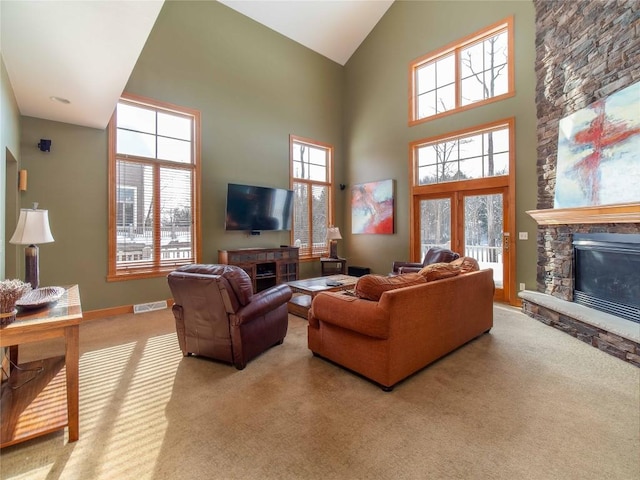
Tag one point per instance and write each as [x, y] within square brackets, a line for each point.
[372, 207]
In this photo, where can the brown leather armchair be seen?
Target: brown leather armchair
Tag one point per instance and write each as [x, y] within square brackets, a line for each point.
[218, 316]
[433, 255]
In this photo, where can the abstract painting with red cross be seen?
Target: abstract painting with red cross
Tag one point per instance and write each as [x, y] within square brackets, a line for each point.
[599, 153]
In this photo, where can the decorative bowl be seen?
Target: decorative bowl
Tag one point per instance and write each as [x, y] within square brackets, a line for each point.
[40, 297]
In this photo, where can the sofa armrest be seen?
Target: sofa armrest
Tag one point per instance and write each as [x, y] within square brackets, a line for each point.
[178, 314]
[409, 269]
[355, 314]
[397, 266]
[262, 303]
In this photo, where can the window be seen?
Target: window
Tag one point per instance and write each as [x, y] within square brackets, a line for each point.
[476, 154]
[311, 166]
[465, 74]
[153, 197]
[479, 153]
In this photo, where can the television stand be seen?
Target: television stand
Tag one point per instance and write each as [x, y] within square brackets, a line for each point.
[266, 267]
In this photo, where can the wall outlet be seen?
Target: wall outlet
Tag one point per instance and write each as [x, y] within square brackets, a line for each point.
[522, 286]
[523, 235]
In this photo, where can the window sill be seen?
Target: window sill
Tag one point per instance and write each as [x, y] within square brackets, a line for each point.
[139, 274]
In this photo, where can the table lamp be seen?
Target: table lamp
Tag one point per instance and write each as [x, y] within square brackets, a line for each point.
[33, 228]
[333, 235]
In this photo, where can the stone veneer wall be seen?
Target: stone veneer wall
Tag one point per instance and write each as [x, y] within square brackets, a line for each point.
[585, 51]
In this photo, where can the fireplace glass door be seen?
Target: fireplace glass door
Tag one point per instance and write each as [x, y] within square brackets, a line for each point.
[607, 274]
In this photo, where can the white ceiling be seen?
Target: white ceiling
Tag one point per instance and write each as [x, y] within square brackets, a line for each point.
[84, 51]
[333, 28]
[81, 51]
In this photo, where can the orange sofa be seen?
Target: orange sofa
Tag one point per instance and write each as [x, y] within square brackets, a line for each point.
[406, 329]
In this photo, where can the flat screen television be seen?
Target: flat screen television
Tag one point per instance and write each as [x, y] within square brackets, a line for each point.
[254, 208]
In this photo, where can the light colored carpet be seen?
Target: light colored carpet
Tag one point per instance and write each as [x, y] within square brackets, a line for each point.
[523, 402]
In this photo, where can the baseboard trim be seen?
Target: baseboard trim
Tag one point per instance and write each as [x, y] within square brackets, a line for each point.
[113, 311]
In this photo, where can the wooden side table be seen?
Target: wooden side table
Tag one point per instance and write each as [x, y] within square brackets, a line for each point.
[333, 266]
[41, 397]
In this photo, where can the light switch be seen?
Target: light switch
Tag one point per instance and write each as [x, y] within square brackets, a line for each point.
[523, 235]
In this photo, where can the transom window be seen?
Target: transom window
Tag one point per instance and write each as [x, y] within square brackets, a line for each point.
[311, 167]
[475, 70]
[153, 197]
[475, 154]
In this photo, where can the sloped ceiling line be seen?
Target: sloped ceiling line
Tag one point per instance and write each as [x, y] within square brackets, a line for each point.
[85, 51]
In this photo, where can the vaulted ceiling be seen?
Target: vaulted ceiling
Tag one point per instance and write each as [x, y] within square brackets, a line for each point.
[69, 61]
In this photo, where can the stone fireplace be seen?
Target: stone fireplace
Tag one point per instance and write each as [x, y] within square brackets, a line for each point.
[585, 51]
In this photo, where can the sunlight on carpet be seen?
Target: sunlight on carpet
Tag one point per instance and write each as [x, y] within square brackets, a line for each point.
[123, 393]
[121, 409]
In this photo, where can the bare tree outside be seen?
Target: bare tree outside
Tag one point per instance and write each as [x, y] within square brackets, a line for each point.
[436, 215]
[487, 77]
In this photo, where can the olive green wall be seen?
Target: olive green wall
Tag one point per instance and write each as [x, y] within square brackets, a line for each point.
[377, 134]
[71, 183]
[9, 153]
[253, 87]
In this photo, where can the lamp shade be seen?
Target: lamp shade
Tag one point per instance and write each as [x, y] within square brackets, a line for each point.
[333, 233]
[33, 228]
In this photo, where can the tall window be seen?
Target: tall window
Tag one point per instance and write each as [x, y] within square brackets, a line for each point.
[470, 72]
[153, 196]
[311, 166]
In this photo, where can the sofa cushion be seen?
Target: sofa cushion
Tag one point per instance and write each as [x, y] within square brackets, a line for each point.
[438, 271]
[371, 287]
[466, 264]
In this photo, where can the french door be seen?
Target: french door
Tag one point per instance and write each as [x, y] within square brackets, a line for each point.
[473, 223]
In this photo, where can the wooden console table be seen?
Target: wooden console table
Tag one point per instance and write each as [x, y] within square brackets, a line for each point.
[266, 267]
[41, 397]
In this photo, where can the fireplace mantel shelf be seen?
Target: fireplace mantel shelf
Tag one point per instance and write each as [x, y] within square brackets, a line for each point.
[622, 213]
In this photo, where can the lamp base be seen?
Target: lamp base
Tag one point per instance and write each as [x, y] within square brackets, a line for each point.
[333, 249]
[31, 266]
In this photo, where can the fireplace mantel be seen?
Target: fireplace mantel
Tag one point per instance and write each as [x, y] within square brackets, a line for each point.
[622, 213]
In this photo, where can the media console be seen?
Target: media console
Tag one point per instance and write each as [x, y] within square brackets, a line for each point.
[266, 267]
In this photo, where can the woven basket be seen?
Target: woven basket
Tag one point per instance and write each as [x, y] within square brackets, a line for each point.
[8, 317]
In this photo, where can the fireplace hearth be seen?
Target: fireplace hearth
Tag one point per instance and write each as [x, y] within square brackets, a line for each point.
[607, 273]
[554, 303]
